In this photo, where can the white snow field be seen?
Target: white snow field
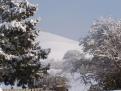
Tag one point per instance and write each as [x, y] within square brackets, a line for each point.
[59, 46]
[1, 89]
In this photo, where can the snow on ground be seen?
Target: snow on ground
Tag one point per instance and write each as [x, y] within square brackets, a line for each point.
[75, 82]
[1, 89]
[59, 46]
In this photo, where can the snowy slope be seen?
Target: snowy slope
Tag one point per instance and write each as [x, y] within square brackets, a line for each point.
[59, 45]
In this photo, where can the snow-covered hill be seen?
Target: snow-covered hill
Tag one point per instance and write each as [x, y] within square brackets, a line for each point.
[59, 45]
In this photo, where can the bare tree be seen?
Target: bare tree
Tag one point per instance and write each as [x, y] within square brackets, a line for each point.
[104, 43]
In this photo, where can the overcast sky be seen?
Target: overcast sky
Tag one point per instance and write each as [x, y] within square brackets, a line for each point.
[73, 18]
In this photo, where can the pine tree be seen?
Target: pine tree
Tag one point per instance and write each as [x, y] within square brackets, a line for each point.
[20, 54]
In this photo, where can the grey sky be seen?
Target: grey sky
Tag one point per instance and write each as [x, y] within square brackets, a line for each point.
[73, 18]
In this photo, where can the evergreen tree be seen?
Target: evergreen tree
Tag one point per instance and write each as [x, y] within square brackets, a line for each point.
[20, 54]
